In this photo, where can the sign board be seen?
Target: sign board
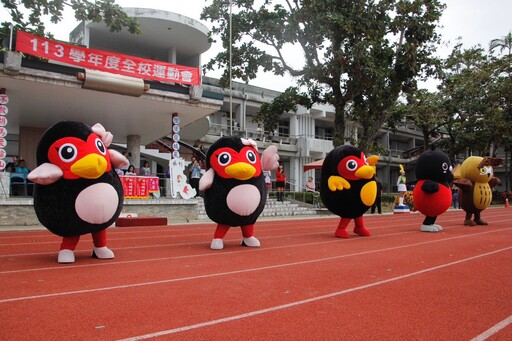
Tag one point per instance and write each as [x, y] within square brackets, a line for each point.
[106, 61]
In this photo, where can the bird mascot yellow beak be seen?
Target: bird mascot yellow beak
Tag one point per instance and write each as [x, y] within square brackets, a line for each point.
[241, 171]
[91, 166]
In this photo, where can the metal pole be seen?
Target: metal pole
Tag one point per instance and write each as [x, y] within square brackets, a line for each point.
[230, 71]
[10, 38]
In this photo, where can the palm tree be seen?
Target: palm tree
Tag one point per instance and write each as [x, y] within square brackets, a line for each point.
[502, 43]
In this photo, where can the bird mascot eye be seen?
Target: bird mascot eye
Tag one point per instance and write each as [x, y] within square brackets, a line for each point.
[482, 170]
[224, 158]
[445, 166]
[251, 156]
[101, 146]
[351, 165]
[68, 152]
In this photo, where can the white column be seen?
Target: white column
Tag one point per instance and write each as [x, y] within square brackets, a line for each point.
[133, 147]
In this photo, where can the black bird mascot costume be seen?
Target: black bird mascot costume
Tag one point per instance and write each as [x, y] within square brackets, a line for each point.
[348, 188]
[475, 180]
[234, 186]
[432, 194]
[77, 190]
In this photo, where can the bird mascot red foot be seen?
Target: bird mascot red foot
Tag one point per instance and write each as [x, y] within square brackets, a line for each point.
[432, 194]
[475, 180]
[348, 187]
[234, 186]
[77, 190]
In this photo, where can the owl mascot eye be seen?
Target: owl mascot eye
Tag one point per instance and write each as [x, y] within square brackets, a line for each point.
[77, 190]
[234, 186]
[432, 194]
[348, 188]
[475, 180]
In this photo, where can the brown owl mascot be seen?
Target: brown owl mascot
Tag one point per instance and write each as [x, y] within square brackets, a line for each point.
[475, 180]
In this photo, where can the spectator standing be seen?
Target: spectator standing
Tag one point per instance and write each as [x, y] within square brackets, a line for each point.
[455, 197]
[378, 200]
[145, 170]
[280, 182]
[195, 175]
[310, 185]
[401, 184]
[259, 132]
[268, 182]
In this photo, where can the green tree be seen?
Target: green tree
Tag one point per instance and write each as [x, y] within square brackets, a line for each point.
[100, 10]
[425, 109]
[504, 43]
[502, 95]
[358, 55]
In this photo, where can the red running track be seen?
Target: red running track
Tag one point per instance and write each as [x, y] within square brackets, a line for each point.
[302, 284]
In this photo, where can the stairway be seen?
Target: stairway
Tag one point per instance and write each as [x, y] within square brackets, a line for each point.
[273, 208]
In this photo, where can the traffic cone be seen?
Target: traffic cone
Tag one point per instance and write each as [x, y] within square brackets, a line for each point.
[506, 203]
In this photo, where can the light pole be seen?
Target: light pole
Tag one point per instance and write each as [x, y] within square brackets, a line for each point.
[230, 65]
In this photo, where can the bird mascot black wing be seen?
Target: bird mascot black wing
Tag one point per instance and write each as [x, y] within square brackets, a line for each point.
[77, 190]
[234, 186]
[347, 187]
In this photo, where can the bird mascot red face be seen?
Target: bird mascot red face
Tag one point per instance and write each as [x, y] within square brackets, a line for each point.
[234, 186]
[77, 190]
[432, 194]
[348, 187]
[475, 180]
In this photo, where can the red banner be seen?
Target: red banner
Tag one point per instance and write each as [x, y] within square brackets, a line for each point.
[106, 61]
[139, 187]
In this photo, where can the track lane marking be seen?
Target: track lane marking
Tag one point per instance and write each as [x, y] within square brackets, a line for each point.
[493, 330]
[310, 300]
[234, 272]
[229, 253]
[201, 234]
[209, 229]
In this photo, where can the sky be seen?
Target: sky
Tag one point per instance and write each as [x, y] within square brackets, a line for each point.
[474, 21]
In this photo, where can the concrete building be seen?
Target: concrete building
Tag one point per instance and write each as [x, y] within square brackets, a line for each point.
[43, 93]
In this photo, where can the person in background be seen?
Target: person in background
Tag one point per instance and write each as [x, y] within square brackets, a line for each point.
[310, 184]
[378, 200]
[21, 168]
[455, 197]
[130, 170]
[259, 132]
[401, 184]
[145, 170]
[280, 182]
[128, 157]
[195, 175]
[10, 168]
[268, 182]
[189, 167]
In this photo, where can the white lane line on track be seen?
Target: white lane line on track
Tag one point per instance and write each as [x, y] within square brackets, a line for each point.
[306, 225]
[209, 254]
[298, 224]
[295, 228]
[493, 330]
[234, 272]
[306, 301]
